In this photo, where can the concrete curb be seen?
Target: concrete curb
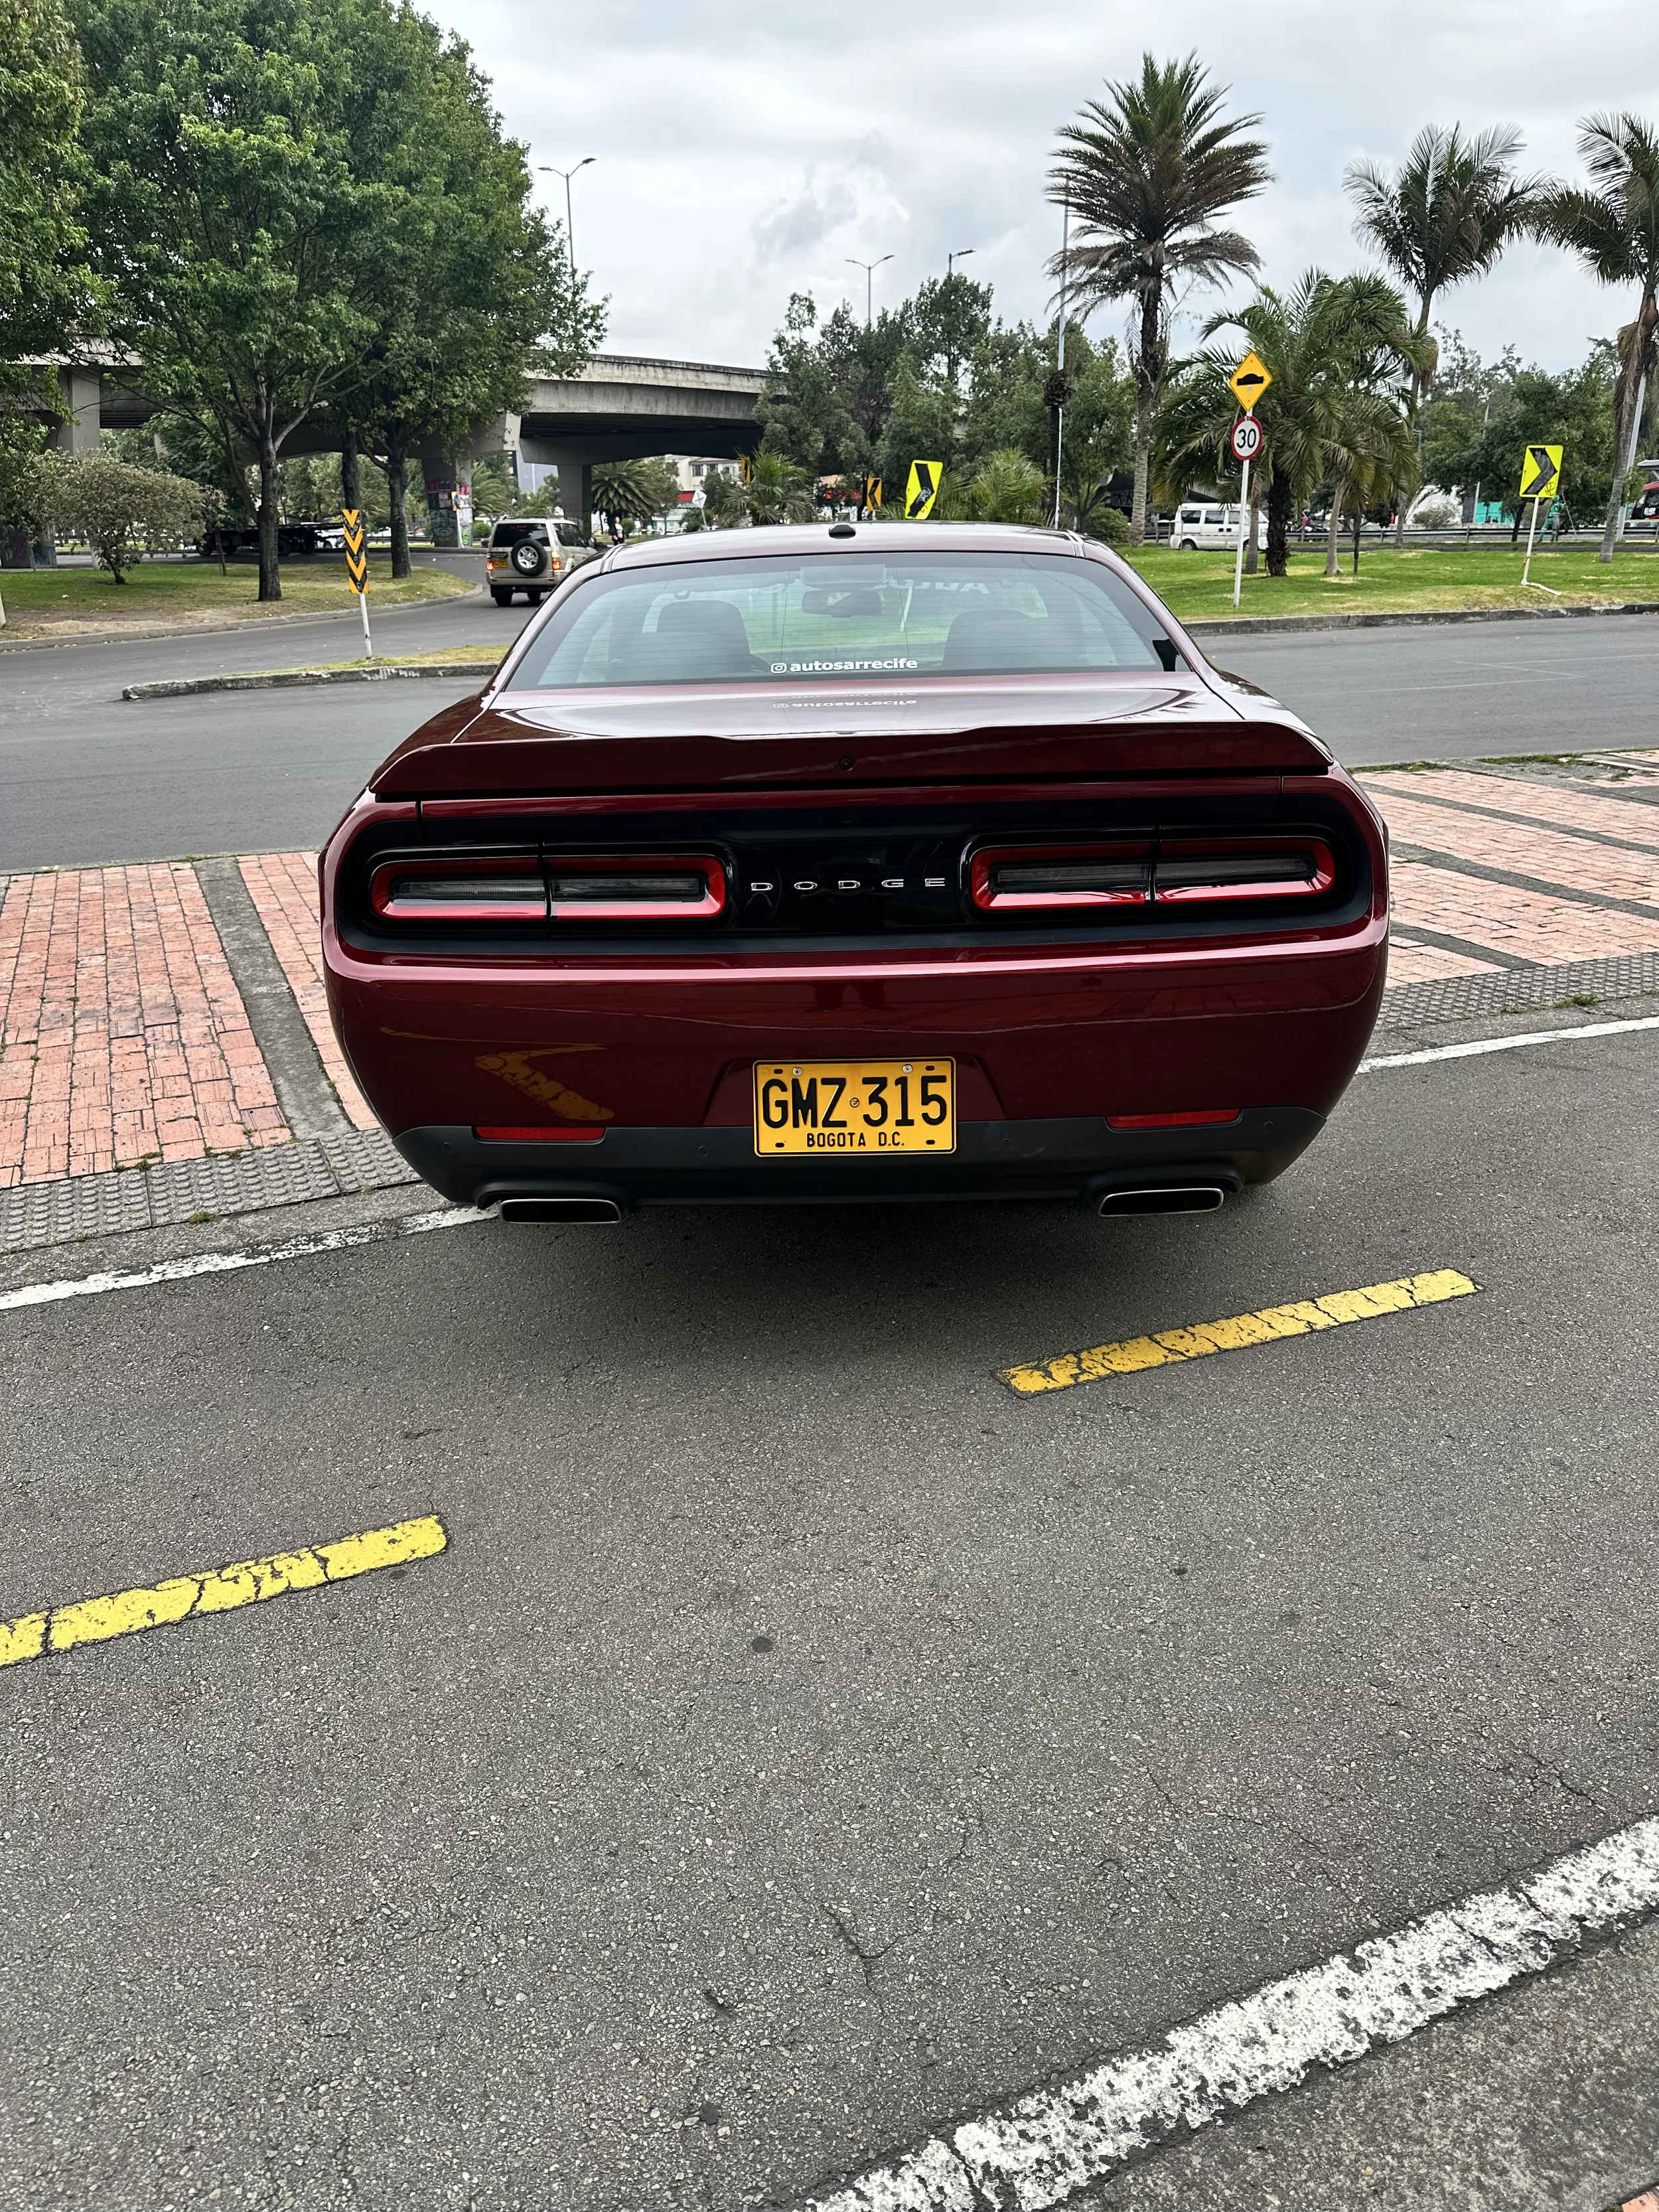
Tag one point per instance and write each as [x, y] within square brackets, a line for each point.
[282, 678]
[1225, 626]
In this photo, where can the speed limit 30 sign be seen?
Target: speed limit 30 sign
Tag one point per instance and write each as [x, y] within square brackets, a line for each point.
[1246, 438]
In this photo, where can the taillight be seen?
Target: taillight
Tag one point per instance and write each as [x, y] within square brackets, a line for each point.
[1242, 868]
[1163, 873]
[509, 887]
[532, 887]
[583, 889]
[1009, 879]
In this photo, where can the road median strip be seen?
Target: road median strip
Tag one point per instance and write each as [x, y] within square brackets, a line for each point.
[275, 679]
[221, 1590]
[1302, 1318]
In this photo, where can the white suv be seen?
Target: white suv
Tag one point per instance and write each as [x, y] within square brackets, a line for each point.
[1208, 528]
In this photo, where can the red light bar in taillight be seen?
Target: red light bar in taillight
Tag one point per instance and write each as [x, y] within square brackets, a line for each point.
[1193, 872]
[607, 887]
[1007, 878]
[481, 887]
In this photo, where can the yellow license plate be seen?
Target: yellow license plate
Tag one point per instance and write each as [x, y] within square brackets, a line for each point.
[862, 1107]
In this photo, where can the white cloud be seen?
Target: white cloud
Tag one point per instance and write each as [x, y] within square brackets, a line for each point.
[744, 154]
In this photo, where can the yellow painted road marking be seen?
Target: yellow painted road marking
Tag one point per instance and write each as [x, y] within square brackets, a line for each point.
[1301, 1318]
[221, 1590]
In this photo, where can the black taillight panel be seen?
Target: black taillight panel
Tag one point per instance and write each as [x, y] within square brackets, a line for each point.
[856, 876]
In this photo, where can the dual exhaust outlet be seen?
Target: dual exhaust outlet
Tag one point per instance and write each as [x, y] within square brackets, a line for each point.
[1160, 1198]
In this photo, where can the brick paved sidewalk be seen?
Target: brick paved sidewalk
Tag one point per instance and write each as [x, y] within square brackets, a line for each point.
[122, 1037]
[124, 1041]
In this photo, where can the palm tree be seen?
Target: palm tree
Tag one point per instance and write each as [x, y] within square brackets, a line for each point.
[1326, 339]
[777, 490]
[1614, 225]
[1448, 214]
[1370, 451]
[1147, 174]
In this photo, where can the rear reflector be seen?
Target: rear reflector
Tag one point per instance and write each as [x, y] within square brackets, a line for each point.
[502, 1136]
[1171, 1121]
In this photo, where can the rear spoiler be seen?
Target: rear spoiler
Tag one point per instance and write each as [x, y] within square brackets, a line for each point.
[518, 766]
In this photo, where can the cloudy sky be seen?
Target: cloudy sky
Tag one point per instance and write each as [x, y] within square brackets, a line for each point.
[745, 151]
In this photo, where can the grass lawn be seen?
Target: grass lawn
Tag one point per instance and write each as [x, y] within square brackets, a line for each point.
[74, 602]
[1426, 582]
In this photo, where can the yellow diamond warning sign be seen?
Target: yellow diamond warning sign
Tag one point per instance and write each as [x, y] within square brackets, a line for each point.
[1249, 379]
[1540, 473]
[922, 490]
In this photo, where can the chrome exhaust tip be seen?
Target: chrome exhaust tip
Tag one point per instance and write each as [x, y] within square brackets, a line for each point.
[1173, 1198]
[560, 1209]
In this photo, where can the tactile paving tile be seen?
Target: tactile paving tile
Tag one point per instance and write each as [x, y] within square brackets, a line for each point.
[1464, 998]
[34, 1215]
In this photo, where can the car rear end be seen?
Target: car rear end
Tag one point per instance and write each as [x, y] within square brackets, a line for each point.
[783, 936]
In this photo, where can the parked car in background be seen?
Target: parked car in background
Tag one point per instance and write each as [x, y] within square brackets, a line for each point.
[296, 541]
[921, 861]
[532, 555]
[1210, 526]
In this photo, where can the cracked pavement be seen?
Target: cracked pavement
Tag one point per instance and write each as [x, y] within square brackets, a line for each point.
[803, 1740]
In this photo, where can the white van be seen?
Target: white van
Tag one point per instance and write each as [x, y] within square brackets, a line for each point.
[1208, 527]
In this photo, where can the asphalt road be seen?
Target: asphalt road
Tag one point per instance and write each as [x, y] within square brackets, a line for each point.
[804, 1739]
[90, 778]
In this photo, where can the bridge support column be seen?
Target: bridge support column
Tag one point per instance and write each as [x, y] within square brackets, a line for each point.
[576, 479]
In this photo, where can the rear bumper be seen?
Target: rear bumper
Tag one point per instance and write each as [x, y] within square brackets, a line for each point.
[1076, 1158]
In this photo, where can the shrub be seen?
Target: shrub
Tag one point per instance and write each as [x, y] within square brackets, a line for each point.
[119, 509]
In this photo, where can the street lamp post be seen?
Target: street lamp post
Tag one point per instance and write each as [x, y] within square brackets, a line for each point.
[961, 254]
[869, 269]
[546, 169]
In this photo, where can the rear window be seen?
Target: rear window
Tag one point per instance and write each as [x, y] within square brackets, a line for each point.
[804, 618]
[509, 533]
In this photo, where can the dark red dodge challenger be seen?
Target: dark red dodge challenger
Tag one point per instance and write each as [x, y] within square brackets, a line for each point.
[888, 861]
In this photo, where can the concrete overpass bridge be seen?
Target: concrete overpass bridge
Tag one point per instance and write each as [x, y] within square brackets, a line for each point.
[618, 407]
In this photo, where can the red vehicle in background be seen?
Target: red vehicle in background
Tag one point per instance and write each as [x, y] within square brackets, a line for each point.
[891, 861]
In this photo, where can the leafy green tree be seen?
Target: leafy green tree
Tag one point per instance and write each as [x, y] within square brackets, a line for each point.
[1613, 225]
[480, 290]
[272, 179]
[1148, 173]
[44, 285]
[119, 509]
[244, 250]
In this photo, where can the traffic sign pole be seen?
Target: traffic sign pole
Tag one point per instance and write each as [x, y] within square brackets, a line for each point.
[1243, 525]
[1532, 533]
[1246, 442]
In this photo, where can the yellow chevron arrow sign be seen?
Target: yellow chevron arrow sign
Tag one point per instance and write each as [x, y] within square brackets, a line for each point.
[353, 528]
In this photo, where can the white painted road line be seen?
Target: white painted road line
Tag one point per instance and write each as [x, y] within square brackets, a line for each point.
[1042, 2149]
[224, 1263]
[1504, 1044]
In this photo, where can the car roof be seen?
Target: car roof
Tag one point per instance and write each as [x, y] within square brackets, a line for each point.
[834, 538]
